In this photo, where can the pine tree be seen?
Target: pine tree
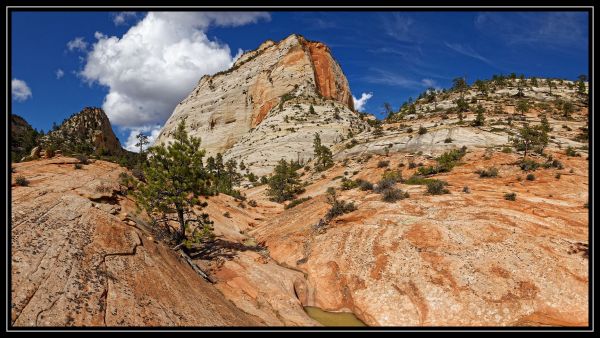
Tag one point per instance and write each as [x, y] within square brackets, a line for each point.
[479, 119]
[530, 138]
[323, 156]
[142, 141]
[284, 184]
[175, 177]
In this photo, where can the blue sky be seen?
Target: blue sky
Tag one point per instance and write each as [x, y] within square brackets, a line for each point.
[139, 66]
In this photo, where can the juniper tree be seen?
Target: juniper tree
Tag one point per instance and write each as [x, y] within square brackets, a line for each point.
[175, 178]
[522, 107]
[284, 184]
[479, 119]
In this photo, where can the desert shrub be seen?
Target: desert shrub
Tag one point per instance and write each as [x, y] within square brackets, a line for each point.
[384, 184]
[422, 130]
[412, 165]
[227, 214]
[393, 195]
[557, 176]
[252, 203]
[83, 159]
[77, 166]
[364, 185]
[417, 180]
[296, 202]
[437, 187]
[490, 172]
[383, 164]
[553, 164]
[22, 181]
[338, 207]
[103, 188]
[528, 165]
[511, 196]
[394, 175]
[409, 130]
[507, 150]
[466, 190]
[530, 177]
[448, 140]
[571, 152]
[349, 184]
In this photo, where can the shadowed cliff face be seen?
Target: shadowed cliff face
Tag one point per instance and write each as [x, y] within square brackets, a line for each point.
[261, 85]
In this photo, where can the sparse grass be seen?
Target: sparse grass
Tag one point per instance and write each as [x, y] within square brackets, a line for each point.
[511, 196]
[395, 175]
[437, 187]
[296, 202]
[22, 181]
[490, 172]
[507, 150]
[417, 180]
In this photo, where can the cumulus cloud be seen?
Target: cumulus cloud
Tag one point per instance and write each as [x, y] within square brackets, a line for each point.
[20, 90]
[59, 73]
[121, 18]
[151, 131]
[359, 104]
[157, 62]
[77, 44]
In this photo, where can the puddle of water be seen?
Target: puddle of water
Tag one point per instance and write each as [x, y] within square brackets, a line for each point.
[333, 318]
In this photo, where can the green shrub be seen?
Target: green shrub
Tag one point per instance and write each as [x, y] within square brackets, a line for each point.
[348, 184]
[417, 180]
[395, 175]
[571, 152]
[364, 185]
[338, 207]
[22, 181]
[383, 164]
[511, 196]
[284, 184]
[491, 172]
[507, 150]
[530, 177]
[437, 187]
[384, 184]
[528, 165]
[296, 202]
[393, 195]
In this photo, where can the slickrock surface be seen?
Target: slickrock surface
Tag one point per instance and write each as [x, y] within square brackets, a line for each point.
[77, 262]
[457, 259]
[240, 112]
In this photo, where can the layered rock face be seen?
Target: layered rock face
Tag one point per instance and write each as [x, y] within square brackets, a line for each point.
[262, 88]
[90, 126]
[81, 257]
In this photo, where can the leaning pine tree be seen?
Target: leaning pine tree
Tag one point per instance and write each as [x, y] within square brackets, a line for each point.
[175, 177]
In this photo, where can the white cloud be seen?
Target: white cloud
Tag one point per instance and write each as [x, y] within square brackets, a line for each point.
[151, 68]
[468, 51]
[359, 104]
[20, 90]
[59, 73]
[429, 83]
[122, 17]
[398, 26]
[77, 44]
[151, 131]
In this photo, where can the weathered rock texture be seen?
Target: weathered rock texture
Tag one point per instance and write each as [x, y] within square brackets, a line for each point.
[90, 126]
[23, 138]
[76, 262]
[231, 111]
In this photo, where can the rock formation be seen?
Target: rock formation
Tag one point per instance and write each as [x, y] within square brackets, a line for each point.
[81, 257]
[23, 138]
[258, 110]
[88, 130]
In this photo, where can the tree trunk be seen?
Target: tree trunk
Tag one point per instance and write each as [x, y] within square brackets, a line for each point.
[181, 220]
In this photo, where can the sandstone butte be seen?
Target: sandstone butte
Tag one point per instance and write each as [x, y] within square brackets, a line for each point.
[252, 111]
[82, 255]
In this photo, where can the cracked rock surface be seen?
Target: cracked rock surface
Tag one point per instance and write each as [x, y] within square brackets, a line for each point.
[75, 263]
